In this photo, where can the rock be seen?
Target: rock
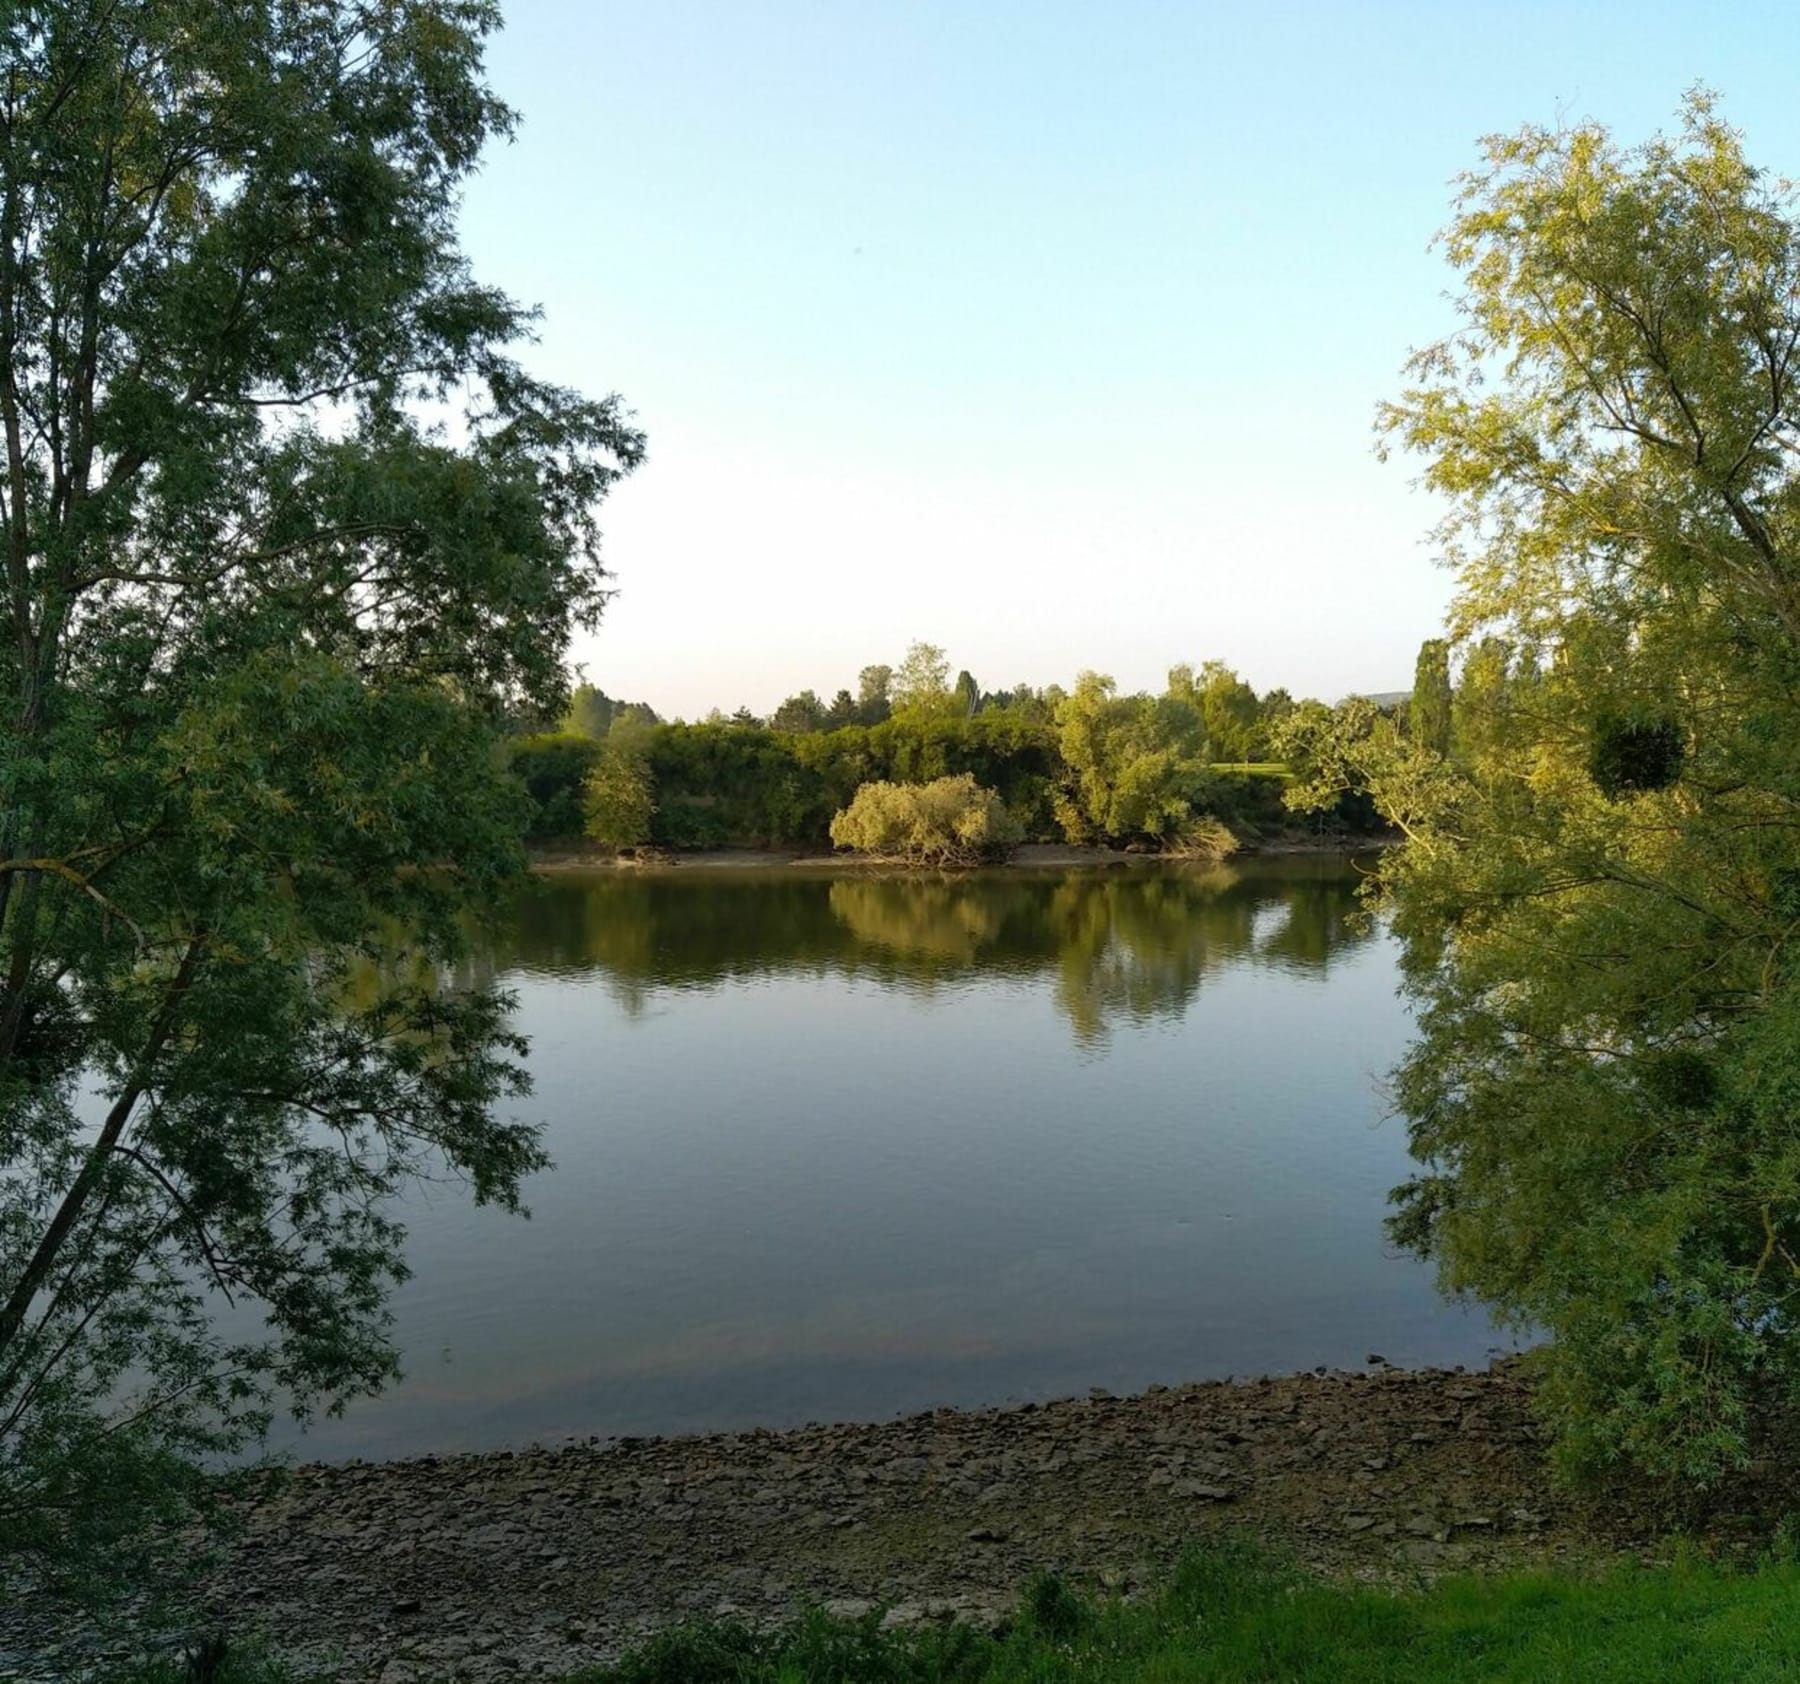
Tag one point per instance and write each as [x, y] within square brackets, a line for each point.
[555, 1561]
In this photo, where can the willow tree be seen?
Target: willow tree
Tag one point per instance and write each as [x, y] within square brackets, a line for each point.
[1601, 890]
[261, 622]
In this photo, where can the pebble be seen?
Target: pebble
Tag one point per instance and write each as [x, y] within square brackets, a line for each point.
[533, 1564]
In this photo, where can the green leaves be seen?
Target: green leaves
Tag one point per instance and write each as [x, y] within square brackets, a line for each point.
[949, 821]
[1138, 765]
[264, 623]
[1595, 887]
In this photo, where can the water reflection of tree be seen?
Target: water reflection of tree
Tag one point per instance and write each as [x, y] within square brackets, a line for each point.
[1138, 948]
[1119, 946]
[938, 924]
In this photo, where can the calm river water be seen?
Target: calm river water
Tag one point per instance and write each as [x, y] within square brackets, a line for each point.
[833, 1147]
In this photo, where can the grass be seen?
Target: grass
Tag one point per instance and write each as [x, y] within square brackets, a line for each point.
[1255, 768]
[1228, 1617]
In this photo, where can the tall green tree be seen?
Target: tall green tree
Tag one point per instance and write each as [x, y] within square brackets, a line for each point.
[1428, 719]
[262, 625]
[590, 712]
[874, 693]
[804, 712]
[618, 794]
[1228, 708]
[1137, 767]
[1601, 896]
[922, 682]
[968, 694]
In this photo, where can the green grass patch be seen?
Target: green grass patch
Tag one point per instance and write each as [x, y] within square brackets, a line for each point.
[1228, 1615]
[1255, 768]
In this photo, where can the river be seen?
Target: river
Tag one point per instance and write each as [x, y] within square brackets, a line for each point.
[837, 1146]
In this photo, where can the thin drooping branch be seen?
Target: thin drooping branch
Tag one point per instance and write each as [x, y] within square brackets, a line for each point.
[43, 1260]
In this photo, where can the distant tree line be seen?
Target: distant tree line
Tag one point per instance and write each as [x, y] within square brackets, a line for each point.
[1089, 765]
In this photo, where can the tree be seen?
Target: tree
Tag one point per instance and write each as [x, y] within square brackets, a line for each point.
[968, 694]
[950, 821]
[1428, 719]
[1227, 706]
[1272, 709]
[804, 712]
[842, 712]
[922, 682]
[590, 712]
[262, 628]
[1137, 767]
[1601, 895]
[874, 694]
[618, 797]
[1022, 701]
[553, 766]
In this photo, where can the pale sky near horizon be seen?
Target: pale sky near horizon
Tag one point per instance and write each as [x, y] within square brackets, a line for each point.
[1048, 332]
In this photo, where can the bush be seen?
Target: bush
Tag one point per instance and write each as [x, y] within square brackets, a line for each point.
[1204, 838]
[950, 821]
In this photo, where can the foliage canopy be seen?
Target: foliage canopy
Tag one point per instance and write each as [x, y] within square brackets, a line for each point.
[262, 627]
[1601, 887]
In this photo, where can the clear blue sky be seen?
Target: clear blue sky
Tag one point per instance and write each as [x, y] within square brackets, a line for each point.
[1050, 333]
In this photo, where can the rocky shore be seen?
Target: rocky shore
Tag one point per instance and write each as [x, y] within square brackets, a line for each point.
[528, 1564]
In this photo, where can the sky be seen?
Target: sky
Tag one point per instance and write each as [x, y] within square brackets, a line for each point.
[1050, 333]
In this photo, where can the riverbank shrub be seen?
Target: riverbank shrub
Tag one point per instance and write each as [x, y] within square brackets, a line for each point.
[949, 821]
[1204, 838]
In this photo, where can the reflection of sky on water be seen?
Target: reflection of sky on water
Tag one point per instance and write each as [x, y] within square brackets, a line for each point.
[831, 1148]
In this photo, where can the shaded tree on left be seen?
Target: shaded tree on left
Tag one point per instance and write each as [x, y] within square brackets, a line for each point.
[262, 628]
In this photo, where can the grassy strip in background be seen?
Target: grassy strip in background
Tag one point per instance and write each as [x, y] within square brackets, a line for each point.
[1228, 1617]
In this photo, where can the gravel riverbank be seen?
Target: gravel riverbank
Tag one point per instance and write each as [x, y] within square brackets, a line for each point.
[527, 1564]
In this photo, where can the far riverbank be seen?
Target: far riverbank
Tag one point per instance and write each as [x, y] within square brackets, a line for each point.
[1036, 856]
